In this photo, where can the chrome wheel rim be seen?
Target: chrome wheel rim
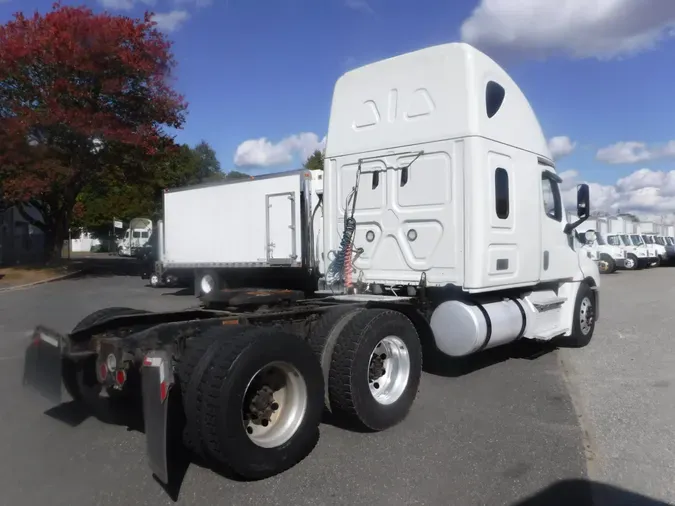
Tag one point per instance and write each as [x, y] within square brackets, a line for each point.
[275, 403]
[629, 263]
[389, 370]
[586, 315]
[207, 284]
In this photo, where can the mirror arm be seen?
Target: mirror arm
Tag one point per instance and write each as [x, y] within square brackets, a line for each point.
[571, 226]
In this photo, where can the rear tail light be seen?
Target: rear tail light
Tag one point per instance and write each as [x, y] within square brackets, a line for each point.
[120, 377]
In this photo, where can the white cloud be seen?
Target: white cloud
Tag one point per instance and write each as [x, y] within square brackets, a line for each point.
[359, 5]
[263, 153]
[645, 192]
[196, 3]
[170, 21]
[124, 5]
[634, 152]
[560, 146]
[602, 29]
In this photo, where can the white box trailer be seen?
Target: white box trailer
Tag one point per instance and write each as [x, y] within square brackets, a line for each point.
[242, 225]
[443, 221]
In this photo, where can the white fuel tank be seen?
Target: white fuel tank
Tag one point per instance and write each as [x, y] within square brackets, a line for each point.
[462, 328]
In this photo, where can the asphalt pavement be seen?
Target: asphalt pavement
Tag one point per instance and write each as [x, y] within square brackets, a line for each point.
[498, 429]
[624, 385]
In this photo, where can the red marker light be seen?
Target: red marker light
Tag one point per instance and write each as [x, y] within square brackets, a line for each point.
[102, 372]
[120, 377]
[163, 391]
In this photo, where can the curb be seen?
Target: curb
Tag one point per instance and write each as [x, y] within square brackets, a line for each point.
[42, 282]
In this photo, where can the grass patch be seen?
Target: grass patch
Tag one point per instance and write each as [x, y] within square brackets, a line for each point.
[25, 274]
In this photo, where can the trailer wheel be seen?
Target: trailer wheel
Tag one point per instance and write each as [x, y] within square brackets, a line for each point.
[584, 317]
[376, 369]
[79, 377]
[280, 382]
[323, 335]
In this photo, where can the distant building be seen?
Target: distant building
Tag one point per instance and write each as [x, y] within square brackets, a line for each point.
[20, 242]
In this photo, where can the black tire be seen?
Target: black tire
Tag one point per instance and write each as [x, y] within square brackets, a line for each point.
[79, 377]
[323, 335]
[190, 368]
[611, 264]
[635, 262]
[658, 262]
[348, 388]
[235, 364]
[581, 336]
[104, 314]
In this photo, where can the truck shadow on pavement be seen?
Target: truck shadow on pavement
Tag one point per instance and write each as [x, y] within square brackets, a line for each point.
[129, 414]
[583, 492]
[440, 365]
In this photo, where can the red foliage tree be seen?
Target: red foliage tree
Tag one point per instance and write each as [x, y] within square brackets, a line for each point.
[81, 94]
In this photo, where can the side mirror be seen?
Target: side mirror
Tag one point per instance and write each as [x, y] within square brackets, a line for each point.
[583, 201]
[590, 236]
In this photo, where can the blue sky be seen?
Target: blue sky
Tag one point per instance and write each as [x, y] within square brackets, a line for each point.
[263, 71]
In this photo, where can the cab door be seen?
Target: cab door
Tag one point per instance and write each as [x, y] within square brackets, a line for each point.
[558, 260]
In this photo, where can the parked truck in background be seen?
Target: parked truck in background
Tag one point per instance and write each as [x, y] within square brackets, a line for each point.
[609, 257]
[618, 236]
[205, 230]
[647, 230]
[444, 231]
[135, 237]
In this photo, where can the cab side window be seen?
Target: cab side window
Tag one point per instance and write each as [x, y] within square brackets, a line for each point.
[551, 197]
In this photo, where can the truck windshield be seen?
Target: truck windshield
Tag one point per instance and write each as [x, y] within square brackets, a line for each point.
[659, 240]
[626, 240]
[613, 240]
[648, 239]
[637, 239]
[669, 240]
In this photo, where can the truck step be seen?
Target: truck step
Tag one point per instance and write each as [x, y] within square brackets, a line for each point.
[549, 304]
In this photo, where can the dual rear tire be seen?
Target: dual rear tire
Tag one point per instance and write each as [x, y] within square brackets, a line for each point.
[254, 396]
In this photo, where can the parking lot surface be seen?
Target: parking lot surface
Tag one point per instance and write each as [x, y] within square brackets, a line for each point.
[495, 430]
[625, 384]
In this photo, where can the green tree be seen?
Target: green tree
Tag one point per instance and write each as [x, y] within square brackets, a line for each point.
[235, 174]
[315, 161]
[208, 166]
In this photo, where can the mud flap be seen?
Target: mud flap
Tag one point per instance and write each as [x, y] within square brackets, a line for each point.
[43, 363]
[157, 380]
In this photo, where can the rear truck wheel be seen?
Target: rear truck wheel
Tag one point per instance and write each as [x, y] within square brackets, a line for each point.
[190, 369]
[155, 281]
[631, 262]
[658, 262]
[584, 317]
[375, 369]
[607, 265]
[207, 281]
[79, 377]
[261, 402]
[323, 335]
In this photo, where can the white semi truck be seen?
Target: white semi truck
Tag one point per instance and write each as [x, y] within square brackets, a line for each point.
[443, 225]
[618, 235]
[647, 229]
[609, 255]
[135, 237]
